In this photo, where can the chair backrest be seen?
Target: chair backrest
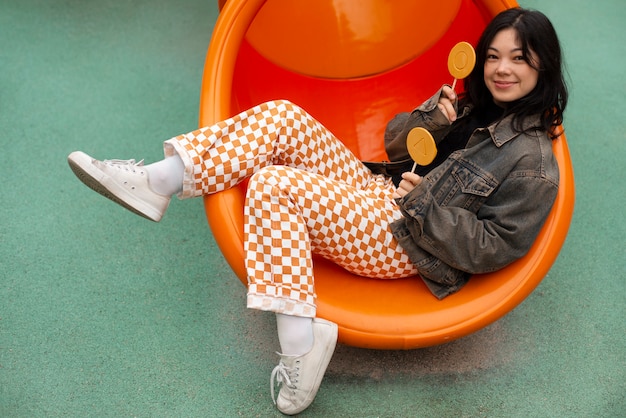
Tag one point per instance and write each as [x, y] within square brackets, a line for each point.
[371, 60]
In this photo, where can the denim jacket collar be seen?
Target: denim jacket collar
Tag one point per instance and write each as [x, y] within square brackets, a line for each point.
[502, 131]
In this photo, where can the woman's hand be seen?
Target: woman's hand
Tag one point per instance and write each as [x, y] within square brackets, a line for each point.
[409, 182]
[446, 103]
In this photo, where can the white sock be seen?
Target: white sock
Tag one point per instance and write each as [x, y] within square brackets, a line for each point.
[166, 176]
[295, 334]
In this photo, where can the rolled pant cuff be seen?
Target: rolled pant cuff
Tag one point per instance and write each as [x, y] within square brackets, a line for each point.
[280, 305]
[172, 147]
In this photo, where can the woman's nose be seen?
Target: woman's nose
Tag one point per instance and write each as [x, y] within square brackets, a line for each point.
[504, 67]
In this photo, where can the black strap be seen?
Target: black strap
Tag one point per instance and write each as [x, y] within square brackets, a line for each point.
[389, 168]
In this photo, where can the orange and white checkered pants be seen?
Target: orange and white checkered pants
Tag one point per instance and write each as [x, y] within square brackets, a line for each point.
[307, 194]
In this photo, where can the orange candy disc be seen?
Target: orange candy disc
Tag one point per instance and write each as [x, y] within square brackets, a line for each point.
[421, 146]
[461, 60]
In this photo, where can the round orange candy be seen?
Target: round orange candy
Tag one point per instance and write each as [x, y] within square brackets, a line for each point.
[461, 60]
[421, 146]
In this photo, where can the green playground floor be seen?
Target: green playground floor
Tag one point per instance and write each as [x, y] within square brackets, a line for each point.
[104, 314]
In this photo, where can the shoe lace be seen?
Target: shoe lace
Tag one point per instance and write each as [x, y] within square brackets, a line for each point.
[283, 375]
[124, 164]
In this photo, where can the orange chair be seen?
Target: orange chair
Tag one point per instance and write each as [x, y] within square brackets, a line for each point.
[353, 64]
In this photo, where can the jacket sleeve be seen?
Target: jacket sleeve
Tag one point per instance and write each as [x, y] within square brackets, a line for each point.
[427, 116]
[500, 232]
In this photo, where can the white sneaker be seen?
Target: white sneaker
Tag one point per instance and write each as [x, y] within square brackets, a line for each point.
[123, 181]
[301, 375]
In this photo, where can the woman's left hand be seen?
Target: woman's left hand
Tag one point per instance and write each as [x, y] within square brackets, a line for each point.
[447, 102]
[409, 182]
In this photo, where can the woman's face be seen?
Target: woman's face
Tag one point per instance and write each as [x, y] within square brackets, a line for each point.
[507, 75]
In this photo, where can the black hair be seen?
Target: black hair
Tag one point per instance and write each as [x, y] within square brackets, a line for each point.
[537, 36]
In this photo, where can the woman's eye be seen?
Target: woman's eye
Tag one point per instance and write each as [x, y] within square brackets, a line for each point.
[491, 57]
[519, 58]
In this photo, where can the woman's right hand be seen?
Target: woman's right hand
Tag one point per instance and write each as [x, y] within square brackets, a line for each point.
[446, 103]
[409, 181]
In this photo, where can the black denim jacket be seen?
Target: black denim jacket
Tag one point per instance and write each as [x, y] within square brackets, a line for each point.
[483, 207]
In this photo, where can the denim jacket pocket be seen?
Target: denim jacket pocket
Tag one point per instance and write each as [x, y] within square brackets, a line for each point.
[475, 184]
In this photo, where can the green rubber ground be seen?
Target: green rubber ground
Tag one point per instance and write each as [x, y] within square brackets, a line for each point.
[105, 314]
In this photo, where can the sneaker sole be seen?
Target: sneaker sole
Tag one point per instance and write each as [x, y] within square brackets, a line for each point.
[327, 355]
[325, 361]
[89, 180]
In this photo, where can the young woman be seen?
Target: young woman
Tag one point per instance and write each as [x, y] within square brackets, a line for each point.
[476, 209]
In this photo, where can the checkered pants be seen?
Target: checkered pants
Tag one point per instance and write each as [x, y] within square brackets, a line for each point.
[307, 194]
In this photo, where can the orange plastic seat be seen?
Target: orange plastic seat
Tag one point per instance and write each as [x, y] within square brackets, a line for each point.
[353, 64]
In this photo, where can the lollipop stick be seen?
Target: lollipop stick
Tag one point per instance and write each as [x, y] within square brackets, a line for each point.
[454, 84]
[414, 166]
